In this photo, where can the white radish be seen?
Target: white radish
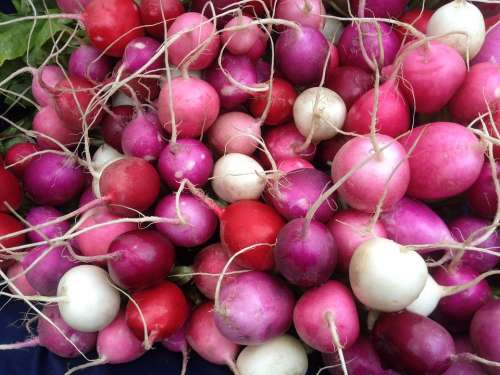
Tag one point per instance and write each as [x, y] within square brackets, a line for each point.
[87, 300]
[386, 276]
[332, 30]
[319, 113]
[103, 155]
[464, 22]
[284, 355]
[428, 298]
[238, 176]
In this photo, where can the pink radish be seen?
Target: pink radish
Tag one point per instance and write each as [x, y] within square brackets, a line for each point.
[234, 132]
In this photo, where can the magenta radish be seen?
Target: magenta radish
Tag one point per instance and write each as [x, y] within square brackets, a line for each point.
[195, 105]
[483, 332]
[258, 359]
[464, 366]
[412, 344]
[237, 177]
[349, 45]
[385, 276]
[16, 274]
[386, 176]
[234, 132]
[293, 164]
[301, 54]
[42, 214]
[212, 260]
[377, 8]
[196, 222]
[438, 144]
[296, 192]
[239, 68]
[205, 338]
[350, 82]
[140, 51]
[51, 127]
[44, 83]
[350, 228]
[319, 113]
[143, 257]
[53, 179]
[489, 52]
[253, 308]
[113, 124]
[186, 159]
[323, 310]
[481, 196]
[88, 63]
[241, 41]
[305, 253]
[200, 40]
[464, 24]
[177, 342]
[305, 13]
[87, 300]
[142, 137]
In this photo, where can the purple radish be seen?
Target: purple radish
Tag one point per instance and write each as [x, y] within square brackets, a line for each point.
[178, 343]
[142, 137]
[89, 63]
[482, 197]
[138, 52]
[20, 281]
[484, 333]
[464, 366]
[41, 215]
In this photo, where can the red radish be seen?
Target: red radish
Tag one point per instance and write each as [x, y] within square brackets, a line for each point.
[301, 54]
[305, 254]
[377, 8]
[139, 52]
[418, 18]
[253, 308]
[144, 257]
[387, 175]
[211, 260]
[146, 89]
[8, 225]
[206, 340]
[431, 74]
[350, 51]
[479, 90]
[413, 344]
[42, 214]
[392, 116]
[112, 125]
[305, 13]
[484, 332]
[44, 83]
[53, 179]
[350, 228]
[10, 190]
[247, 223]
[438, 144]
[350, 82]
[234, 132]
[258, 49]
[111, 24]
[142, 137]
[186, 159]
[333, 62]
[154, 13]
[489, 52]
[195, 105]
[241, 41]
[192, 34]
[481, 196]
[138, 186]
[239, 68]
[48, 124]
[164, 307]
[87, 62]
[197, 223]
[16, 274]
[72, 6]
[329, 148]
[292, 164]
[329, 307]
[16, 153]
[283, 96]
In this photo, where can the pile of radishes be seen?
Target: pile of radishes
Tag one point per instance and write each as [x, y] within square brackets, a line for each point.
[325, 172]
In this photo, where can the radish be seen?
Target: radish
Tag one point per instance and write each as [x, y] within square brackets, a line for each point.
[332, 30]
[16, 274]
[464, 24]
[53, 179]
[18, 154]
[72, 6]
[293, 164]
[481, 196]
[484, 332]
[412, 344]
[44, 82]
[489, 52]
[281, 98]
[142, 137]
[196, 222]
[285, 355]
[319, 113]
[204, 337]
[192, 34]
[418, 18]
[326, 318]
[155, 12]
[10, 190]
[87, 300]
[305, 253]
[87, 62]
[433, 147]
[296, 192]
[350, 82]
[350, 228]
[385, 276]
[377, 8]
[305, 13]
[112, 125]
[234, 132]
[144, 257]
[329, 148]
[8, 225]
[386, 176]
[241, 41]
[428, 299]
[51, 127]
[295, 47]
[195, 106]
[177, 343]
[186, 159]
[207, 266]
[164, 308]
[104, 155]
[464, 366]
[237, 177]
[254, 226]
[253, 308]
[139, 52]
